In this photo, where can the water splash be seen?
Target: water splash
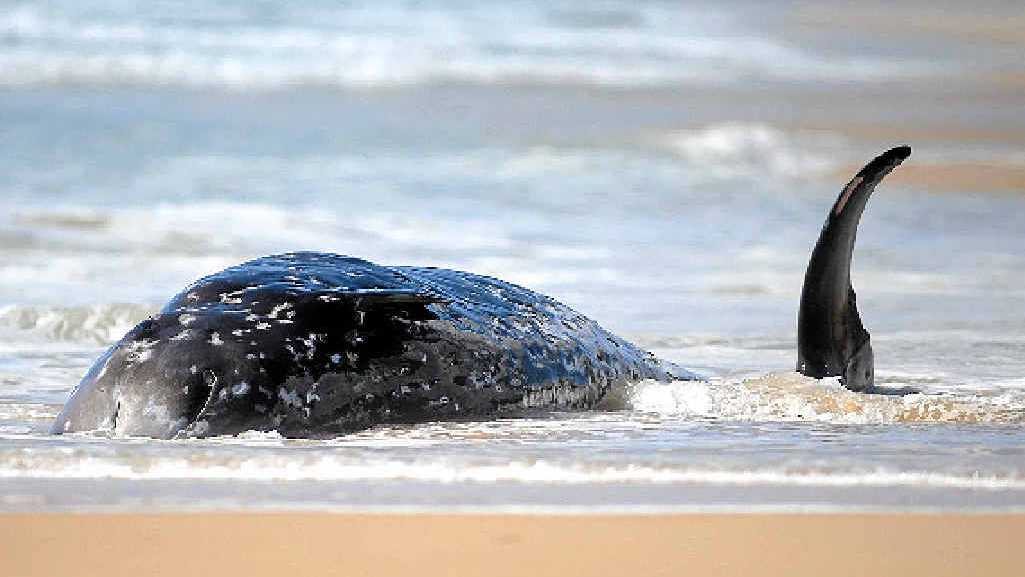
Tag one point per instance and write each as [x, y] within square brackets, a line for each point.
[791, 397]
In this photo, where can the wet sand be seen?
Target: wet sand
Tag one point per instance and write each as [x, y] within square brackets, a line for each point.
[255, 544]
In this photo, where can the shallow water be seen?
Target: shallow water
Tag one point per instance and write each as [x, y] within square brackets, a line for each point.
[641, 163]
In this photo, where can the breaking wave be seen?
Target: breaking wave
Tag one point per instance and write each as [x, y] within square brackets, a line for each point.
[733, 150]
[99, 324]
[390, 44]
[277, 466]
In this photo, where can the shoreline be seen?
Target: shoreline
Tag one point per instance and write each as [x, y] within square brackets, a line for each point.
[795, 544]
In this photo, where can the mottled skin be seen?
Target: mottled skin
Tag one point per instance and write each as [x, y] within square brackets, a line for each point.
[314, 345]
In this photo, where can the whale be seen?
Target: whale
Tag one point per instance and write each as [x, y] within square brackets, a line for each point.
[318, 345]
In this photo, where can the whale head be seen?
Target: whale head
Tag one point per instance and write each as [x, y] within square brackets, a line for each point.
[153, 383]
[240, 353]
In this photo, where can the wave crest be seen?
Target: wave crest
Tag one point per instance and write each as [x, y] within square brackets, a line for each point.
[736, 150]
[337, 467]
[387, 45]
[100, 324]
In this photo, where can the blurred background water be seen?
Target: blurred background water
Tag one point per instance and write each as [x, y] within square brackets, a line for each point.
[662, 167]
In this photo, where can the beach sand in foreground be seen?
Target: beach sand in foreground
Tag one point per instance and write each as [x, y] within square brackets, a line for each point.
[256, 544]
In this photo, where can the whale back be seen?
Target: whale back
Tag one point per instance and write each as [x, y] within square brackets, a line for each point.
[315, 344]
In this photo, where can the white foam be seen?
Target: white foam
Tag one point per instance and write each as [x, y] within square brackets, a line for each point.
[339, 468]
[790, 397]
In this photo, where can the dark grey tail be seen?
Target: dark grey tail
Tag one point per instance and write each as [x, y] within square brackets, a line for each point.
[831, 340]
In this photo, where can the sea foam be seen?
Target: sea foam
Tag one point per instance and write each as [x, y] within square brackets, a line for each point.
[791, 397]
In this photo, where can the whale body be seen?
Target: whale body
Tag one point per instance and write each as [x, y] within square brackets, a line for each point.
[317, 345]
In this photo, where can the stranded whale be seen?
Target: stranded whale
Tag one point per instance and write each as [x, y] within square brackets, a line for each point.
[317, 345]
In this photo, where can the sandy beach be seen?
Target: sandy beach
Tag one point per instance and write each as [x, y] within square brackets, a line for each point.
[257, 544]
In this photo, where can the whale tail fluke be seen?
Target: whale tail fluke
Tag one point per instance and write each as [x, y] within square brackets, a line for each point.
[831, 340]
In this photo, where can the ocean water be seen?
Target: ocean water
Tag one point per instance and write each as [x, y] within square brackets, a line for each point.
[663, 169]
